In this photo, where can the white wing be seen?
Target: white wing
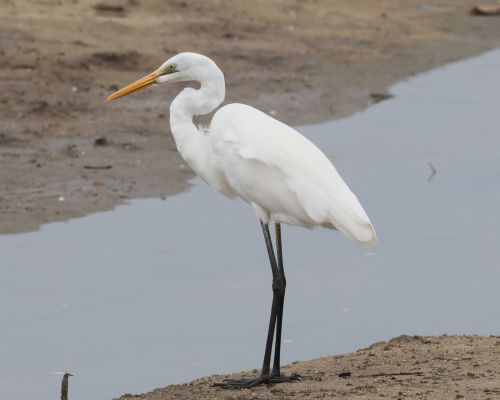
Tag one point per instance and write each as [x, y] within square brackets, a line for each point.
[279, 171]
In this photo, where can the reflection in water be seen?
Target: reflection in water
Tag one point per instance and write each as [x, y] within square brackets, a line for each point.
[160, 292]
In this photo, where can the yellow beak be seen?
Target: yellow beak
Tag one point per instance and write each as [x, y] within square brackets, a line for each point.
[142, 83]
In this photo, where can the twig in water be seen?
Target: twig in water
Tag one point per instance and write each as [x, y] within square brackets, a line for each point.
[64, 386]
[433, 171]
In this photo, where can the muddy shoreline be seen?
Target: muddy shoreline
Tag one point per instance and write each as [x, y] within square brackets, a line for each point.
[65, 154]
[407, 367]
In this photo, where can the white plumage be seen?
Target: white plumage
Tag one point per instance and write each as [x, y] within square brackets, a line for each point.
[247, 154]
[282, 174]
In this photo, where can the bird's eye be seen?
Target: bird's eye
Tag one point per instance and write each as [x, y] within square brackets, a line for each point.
[170, 68]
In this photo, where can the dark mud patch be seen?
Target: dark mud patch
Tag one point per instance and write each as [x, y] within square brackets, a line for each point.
[111, 59]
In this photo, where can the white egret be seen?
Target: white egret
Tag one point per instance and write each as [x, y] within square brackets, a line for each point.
[247, 154]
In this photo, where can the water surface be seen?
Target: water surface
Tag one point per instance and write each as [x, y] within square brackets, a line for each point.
[160, 292]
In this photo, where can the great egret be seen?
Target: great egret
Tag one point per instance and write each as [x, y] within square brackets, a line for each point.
[246, 153]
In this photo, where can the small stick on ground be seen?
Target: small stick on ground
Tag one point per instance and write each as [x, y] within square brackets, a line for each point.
[391, 374]
[97, 166]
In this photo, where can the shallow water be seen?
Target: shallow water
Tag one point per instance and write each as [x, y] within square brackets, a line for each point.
[160, 292]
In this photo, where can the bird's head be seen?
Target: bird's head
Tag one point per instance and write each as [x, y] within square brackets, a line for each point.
[179, 68]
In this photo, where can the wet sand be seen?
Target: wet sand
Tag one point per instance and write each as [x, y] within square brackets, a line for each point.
[407, 367]
[64, 153]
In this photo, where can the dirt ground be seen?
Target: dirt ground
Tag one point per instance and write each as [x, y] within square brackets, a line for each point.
[407, 367]
[64, 153]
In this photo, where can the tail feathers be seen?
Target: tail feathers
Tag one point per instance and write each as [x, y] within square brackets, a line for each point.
[353, 221]
[361, 233]
[339, 209]
[365, 235]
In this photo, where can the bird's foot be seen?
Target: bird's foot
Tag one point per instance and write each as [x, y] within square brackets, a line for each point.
[252, 382]
[285, 378]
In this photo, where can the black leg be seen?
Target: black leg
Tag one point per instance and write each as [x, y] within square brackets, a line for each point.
[275, 320]
[277, 289]
[281, 302]
[276, 373]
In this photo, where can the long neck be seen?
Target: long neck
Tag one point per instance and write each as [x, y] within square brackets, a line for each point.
[191, 102]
